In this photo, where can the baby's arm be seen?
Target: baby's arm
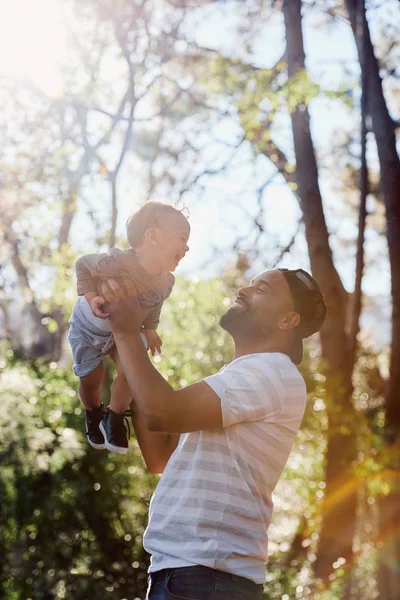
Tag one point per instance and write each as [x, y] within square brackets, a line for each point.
[153, 318]
[150, 325]
[154, 341]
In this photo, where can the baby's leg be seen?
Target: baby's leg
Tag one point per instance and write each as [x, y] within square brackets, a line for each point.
[113, 426]
[89, 391]
[90, 388]
[121, 396]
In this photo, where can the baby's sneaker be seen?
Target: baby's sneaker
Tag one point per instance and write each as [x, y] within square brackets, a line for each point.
[115, 429]
[93, 418]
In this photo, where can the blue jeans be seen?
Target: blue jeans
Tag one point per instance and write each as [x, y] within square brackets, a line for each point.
[200, 583]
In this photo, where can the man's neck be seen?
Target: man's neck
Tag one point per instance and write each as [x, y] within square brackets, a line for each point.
[248, 346]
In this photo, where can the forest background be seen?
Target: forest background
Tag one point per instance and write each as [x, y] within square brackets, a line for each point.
[276, 125]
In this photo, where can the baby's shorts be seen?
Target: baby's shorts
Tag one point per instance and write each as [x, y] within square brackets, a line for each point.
[89, 344]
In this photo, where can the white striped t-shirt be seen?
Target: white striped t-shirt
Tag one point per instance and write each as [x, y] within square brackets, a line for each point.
[213, 504]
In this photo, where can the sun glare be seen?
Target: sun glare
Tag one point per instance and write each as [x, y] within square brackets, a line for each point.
[32, 42]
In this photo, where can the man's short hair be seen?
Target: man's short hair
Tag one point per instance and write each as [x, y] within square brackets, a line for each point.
[150, 214]
[310, 305]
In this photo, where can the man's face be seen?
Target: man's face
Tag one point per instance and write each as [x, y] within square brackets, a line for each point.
[260, 307]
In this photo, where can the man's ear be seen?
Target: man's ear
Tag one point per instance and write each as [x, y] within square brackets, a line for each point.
[289, 321]
[150, 235]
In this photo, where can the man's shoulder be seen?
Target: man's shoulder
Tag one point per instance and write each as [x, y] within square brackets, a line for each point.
[275, 360]
[268, 365]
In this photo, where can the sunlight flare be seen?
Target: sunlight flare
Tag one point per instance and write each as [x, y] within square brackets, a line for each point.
[32, 43]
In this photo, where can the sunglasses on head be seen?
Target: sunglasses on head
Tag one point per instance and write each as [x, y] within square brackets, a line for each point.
[302, 276]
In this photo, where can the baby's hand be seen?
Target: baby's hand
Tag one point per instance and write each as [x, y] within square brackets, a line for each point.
[98, 305]
[154, 340]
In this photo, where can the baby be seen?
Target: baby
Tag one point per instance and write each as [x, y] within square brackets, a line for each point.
[158, 235]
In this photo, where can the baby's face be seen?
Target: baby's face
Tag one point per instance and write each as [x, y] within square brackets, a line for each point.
[172, 239]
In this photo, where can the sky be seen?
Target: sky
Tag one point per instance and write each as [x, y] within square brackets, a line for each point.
[32, 42]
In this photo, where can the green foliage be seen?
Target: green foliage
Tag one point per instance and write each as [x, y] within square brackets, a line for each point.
[63, 293]
[260, 94]
[71, 518]
[194, 345]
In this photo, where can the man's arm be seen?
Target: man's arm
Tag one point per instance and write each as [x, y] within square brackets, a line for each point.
[156, 448]
[193, 408]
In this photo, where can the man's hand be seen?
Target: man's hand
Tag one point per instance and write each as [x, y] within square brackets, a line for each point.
[154, 340]
[125, 310]
[99, 307]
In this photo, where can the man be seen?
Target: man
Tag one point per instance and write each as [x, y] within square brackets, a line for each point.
[211, 510]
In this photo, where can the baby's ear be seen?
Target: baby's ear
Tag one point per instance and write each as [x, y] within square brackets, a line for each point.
[150, 235]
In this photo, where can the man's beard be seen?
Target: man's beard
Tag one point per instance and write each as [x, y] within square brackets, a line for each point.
[242, 322]
[234, 321]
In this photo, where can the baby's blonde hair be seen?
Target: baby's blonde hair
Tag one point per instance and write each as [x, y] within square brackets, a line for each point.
[150, 214]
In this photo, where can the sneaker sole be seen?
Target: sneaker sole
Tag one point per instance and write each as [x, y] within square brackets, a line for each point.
[96, 446]
[111, 447]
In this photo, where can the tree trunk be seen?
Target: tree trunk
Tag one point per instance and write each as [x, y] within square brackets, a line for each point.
[388, 540]
[68, 213]
[354, 314]
[28, 333]
[339, 508]
[384, 130]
